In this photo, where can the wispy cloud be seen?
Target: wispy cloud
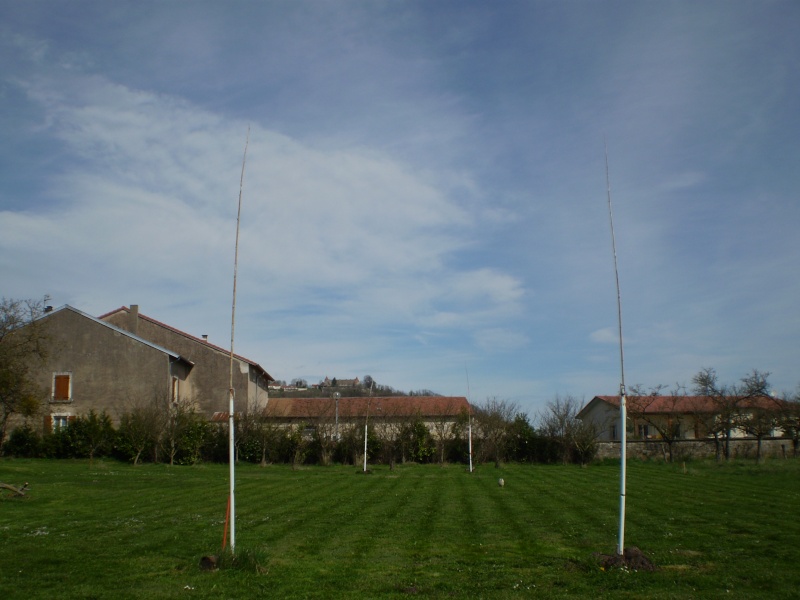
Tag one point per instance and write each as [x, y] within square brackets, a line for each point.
[425, 187]
[607, 335]
[149, 200]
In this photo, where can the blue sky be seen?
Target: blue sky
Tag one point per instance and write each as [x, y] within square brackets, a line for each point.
[425, 195]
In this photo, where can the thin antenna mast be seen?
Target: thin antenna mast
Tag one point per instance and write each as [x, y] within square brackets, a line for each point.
[469, 427]
[622, 400]
[231, 424]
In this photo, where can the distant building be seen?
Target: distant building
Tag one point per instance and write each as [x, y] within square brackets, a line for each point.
[384, 412]
[338, 383]
[686, 417]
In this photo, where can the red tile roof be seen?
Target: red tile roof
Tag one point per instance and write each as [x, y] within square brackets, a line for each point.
[686, 404]
[191, 337]
[353, 408]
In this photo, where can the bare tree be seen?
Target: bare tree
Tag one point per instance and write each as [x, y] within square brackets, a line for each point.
[759, 414]
[664, 413]
[141, 424]
[739, 406]
[443, 429]
[177, 417]
[760, 422]
[389, 428]
[584, 440]
[262, 433]
[322, 418]
[494, 417]
[722, 423]
[22, 339]
[559, 422]
[789, 420]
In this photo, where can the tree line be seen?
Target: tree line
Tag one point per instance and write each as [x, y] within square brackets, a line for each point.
[748, 405]
[366, 387]
[158, 430]
[175, 433]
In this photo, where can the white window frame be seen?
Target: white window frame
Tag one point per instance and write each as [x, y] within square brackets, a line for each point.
[59, 421]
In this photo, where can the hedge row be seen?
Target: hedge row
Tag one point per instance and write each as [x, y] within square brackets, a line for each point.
[188, 438]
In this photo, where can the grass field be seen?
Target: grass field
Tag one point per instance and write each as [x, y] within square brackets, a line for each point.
[109, 530]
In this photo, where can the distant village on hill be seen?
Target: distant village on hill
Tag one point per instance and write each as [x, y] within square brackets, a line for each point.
[346, 387]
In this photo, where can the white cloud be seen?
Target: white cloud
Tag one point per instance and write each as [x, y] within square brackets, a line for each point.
[607, 335]
[149, 203]
[424, 187]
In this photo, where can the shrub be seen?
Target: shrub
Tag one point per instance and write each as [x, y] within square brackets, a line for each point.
[24, 442]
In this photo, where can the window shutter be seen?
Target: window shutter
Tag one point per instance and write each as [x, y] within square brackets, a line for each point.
[61, 388]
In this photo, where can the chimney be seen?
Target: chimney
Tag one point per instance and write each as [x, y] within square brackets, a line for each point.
[134, 319]
[48, 309]
[205, 337]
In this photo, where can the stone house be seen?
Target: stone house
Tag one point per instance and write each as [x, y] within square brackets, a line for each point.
[209, 380]
[93, 365]
[683, 417]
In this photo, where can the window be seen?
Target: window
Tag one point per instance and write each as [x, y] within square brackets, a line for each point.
[614, 435]
[60, 422]
[644, 431]
[62, 387]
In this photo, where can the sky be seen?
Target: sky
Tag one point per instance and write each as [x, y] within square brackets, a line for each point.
[424, 196]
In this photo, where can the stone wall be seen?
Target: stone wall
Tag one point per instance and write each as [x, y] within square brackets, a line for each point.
[698, 449]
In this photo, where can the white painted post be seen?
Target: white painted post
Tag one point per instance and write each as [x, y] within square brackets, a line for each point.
[470, 442]
[232, 474]
[231, 422]
[365, 447]
[623, 455]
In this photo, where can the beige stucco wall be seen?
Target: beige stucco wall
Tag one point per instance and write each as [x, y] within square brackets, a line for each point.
[603, 416]
[208, 382]
[108, 369]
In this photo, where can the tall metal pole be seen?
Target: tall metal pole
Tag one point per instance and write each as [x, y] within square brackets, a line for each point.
[366, 423]
[623, 418]
[231, 393]
[336, 396]
[470, 441]
[469, 425]
[365, 447]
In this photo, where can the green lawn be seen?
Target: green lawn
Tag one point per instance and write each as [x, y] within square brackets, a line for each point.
[109, 530]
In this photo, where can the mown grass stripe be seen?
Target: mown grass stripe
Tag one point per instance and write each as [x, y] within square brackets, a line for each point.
[110, 530]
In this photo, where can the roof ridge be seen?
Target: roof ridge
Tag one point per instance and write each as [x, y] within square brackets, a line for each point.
[124, 332]
[185, 334]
